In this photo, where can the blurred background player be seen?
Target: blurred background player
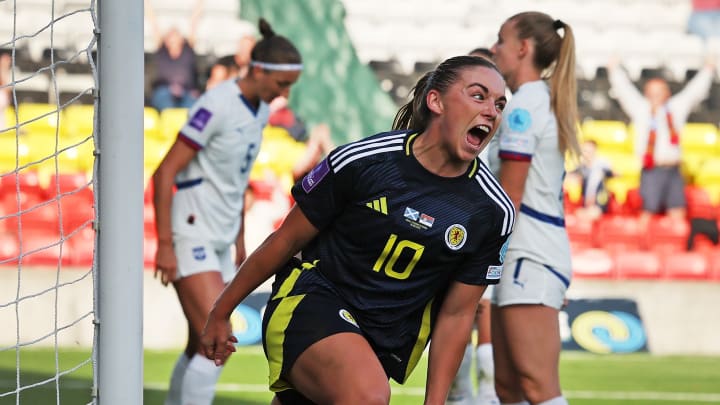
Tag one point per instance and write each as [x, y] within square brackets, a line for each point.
[658, 118]
[175, 62]
[461, 391]
[538, 131]
[197, 227]
[399, 233]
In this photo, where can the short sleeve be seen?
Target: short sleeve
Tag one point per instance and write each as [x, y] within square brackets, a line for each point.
[203, 121]
[323, 194]
[517, 139]
[486, 266]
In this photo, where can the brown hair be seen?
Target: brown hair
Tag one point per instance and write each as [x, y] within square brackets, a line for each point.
[415, 114]
[273, 48]
[555, 55]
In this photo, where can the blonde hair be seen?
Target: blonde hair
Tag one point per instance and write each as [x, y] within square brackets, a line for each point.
[555, 55]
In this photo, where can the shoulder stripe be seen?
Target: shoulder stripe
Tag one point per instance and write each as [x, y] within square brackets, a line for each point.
[496, 193]
[350, 159]
[369, 147]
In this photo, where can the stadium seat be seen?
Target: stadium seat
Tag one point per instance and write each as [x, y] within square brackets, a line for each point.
[171, 121]
[686, 266]
[699, 138]
[151, 122]
[78, 121]
[42, 248]
[81, 246]
[611, 136]
[618, 233]
[149, 250]
[9, 249]
[580, 231]
[667, 234]
[634, 264]
[593, 263]
[38, 118]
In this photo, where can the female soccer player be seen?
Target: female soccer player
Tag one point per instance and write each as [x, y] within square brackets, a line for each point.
[538, 131]
[209, 165]
[399, 234]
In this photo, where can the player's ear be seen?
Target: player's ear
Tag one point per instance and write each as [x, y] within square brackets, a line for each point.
[434, 102]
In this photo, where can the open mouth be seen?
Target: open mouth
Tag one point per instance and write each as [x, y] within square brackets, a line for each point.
[478, 134]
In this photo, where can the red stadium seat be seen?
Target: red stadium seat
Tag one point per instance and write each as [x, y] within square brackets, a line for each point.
[667, 234]
[618, 233]
[638, 265]
[41, 248]
[82, 245]
[149, 250]
[580, 231]
[9, 249]
[593, 263]
[686, 266]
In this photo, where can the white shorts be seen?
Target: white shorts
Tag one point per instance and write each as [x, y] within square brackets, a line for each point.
[527, 282]
[488, 292]
[198, 256]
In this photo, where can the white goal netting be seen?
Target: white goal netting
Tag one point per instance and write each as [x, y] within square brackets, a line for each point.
[48, 83]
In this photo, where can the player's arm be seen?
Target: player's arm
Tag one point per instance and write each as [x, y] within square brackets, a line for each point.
[449, 338]
[275, 251]
[179, 155]
[513, 174]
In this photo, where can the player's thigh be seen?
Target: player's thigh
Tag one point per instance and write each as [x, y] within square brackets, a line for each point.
[341, 368]
[532, 339]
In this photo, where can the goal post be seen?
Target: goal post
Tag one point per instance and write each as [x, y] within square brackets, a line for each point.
[119, 164]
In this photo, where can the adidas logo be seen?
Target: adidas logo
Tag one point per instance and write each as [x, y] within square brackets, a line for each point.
[379, 205]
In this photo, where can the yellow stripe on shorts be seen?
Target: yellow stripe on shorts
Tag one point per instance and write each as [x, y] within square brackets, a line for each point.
[421, 342]
[275, 338]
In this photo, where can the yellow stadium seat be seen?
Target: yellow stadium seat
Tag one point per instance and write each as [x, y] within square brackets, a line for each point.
[9, 122]
[38, 118]
[610, 136]
[151, 122]
[699, 138]
[78, 121]
[9, 152]
[171, 121]
[624, 165]
[155, 151]
[690, 165]
[709, 173]
[619, 187]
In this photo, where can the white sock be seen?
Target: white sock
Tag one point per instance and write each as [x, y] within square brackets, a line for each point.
[173, 395]
[462, 384]
[555, 401]
[485, 367]
[198, 386]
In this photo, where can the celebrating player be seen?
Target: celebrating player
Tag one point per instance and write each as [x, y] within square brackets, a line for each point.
[399, 235]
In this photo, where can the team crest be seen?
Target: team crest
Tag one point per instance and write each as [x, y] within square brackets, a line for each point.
[199, 253]
[347, 316]
[455, 236]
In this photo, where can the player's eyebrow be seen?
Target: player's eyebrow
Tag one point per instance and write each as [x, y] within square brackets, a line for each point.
[486, 90]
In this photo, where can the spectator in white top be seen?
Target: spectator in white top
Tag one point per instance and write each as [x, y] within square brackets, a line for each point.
[658, 118]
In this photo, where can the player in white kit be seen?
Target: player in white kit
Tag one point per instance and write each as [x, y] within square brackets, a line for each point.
[198, 225]
[528, 158]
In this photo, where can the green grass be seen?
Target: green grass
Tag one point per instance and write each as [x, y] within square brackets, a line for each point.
[587, 379]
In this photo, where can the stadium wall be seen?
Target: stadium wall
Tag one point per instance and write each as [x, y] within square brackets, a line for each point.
[676, 317]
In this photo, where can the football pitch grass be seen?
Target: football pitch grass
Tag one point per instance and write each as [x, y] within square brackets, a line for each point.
[587, 379]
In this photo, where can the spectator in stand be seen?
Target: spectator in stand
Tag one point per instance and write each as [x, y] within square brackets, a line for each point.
[223, 69]
[592, 173]
[176, 72]
[658, 118]
[704, 19]
[242, 56]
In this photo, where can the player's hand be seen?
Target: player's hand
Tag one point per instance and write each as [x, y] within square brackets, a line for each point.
[217, 339]
[165, 263]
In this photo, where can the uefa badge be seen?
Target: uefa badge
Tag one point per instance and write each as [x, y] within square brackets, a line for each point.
[455, 236]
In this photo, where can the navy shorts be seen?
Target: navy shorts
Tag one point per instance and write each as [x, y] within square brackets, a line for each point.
[303, 309]
[662, 188]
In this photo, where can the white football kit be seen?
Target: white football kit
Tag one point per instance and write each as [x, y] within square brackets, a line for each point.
[537, 268]
[207, 208]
